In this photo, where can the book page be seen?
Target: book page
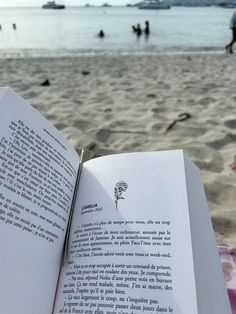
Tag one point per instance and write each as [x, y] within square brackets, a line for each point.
[210, 285]
[37, 176]
[130, 243]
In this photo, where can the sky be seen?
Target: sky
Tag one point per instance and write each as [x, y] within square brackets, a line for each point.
[31, 3]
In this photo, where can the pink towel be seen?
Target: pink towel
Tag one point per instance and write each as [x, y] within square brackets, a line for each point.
[228, 262]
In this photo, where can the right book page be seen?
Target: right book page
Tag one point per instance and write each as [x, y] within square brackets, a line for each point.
[210, 286]
[131, 247]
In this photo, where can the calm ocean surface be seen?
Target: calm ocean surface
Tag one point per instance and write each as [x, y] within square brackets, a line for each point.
[73, 31]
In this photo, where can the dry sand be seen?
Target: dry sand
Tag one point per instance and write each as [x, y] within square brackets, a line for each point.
[126, 103]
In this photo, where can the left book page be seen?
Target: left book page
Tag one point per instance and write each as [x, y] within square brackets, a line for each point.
[38, 169]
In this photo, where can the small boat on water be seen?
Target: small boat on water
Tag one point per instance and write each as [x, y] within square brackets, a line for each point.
[153, 5]
[106, 5]
[53, 5]
[227, 5]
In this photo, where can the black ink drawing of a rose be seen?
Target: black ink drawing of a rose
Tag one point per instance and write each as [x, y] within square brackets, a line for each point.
[119, 188]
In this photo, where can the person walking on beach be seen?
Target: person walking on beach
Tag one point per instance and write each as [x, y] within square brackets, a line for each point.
[232, 25]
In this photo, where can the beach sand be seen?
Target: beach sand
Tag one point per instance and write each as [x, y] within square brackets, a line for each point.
[126, 103]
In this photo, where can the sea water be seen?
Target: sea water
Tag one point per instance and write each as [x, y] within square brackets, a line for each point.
[73, 30]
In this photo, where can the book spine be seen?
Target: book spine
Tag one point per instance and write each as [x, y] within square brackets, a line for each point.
[67, 236]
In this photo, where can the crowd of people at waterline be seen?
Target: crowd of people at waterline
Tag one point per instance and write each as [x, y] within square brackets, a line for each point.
[146, 31]
[139, 31]
[136, 29]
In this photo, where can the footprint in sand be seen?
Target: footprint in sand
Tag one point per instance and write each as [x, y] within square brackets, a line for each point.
[227, 139]
[231, 124]
[205, 158]
[155, 110]
[60, 126]
[81, 124]
[51, 117]
[103, 135]
[78, 102]
[206, 101]
[223, 225]
[220, 193]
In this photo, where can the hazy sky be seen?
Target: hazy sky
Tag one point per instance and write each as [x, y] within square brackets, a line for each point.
[31, 3]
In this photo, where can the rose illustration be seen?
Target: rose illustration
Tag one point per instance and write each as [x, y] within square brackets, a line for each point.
[119, 188]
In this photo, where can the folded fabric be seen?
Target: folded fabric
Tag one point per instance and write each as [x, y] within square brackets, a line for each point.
[228, 262]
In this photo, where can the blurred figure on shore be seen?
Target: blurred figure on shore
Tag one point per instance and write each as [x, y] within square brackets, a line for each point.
[232, 25]
[0, 27]
[101, 34]
[14, 26]
[147, 28]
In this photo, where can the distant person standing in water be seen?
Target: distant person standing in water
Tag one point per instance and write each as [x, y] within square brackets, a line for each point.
[232, 25]
[14, 26]
[138, 30]
[147, 28]
[101, 34]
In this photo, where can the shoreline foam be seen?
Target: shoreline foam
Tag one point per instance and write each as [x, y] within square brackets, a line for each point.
[46, 53]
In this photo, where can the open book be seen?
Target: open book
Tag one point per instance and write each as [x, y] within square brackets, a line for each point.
[140, 237]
